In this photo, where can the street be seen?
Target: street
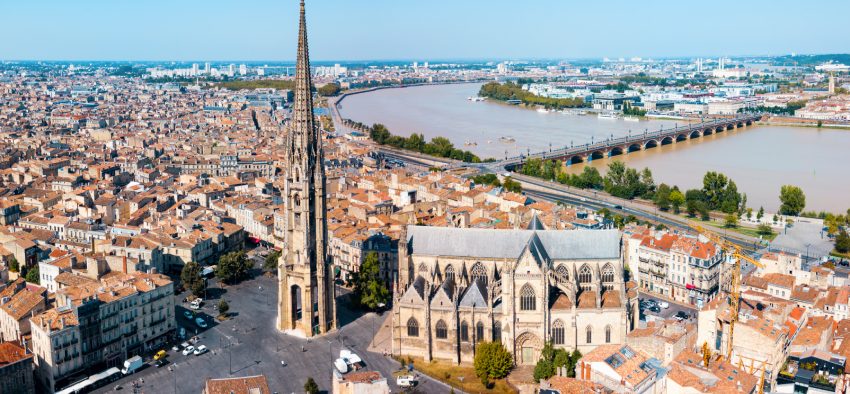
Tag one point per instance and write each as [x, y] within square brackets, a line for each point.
[665, 313]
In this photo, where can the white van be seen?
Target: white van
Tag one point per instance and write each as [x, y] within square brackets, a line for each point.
[405, 381]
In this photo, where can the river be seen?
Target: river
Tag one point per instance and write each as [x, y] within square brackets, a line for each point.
[759, 159]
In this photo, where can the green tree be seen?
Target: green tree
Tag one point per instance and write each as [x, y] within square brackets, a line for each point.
[369, 289]
[842, 241]
[793, 200]
[702, 207]
[223, 307]
[676, 199]
[731, 220]
[492, 360]
[662, 197]
[33, 275]
[232, 267]
[764, 229]
[760, 213]
[14, 266]
[311, 387]
[511, 185]
[270, 264]
[329, 89]
[191, 278]
[749, 213]
[543, 370]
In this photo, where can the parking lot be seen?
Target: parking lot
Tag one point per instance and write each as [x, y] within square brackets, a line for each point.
[664, 313]
[249, 344]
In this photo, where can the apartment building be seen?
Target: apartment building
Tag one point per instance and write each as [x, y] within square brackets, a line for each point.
[15, 369]
[98, 324]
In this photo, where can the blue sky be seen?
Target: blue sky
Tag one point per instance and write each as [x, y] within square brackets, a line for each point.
[417, 30]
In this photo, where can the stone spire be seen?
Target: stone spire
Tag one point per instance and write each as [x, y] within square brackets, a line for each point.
[303, 131]
[306, 294]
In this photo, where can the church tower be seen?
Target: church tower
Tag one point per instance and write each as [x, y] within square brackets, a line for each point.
[306, 305]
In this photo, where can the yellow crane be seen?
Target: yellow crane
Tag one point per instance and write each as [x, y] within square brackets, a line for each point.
[734, 288]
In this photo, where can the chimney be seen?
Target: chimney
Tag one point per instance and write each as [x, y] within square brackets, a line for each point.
[124, 263]
[92, 245]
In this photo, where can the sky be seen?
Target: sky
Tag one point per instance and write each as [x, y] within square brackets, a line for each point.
[418, 30]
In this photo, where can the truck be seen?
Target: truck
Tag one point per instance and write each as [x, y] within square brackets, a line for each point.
[132, 364]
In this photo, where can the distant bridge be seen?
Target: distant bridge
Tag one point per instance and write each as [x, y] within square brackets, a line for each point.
[634, 142]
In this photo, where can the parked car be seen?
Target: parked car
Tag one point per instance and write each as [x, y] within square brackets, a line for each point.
[188, 350]
[654, 309]
[663, 304]
[200, 350]
[200, 322]
[405, 381]
[160, 355]
[188, 314]
[681, 315]
[184, 345]
[182, 333]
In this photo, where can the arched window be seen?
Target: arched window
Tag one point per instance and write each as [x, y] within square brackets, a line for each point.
[527, 299]
[450, 273]
[441, 331]
[464, 331]
[585, 274]
[607, 334]
[589, 332]
[479, 273]
[479, 332]
[423, 268]
[497, 332]
[563, 273]
[412, 327]
[607, 273]
[558, 332]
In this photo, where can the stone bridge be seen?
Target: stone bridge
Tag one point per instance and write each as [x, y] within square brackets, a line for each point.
[634, 142]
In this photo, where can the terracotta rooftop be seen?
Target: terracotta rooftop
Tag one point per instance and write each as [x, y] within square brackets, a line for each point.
[243, 385]
[12, 352]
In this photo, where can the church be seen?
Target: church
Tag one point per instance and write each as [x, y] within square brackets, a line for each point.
[523, 287]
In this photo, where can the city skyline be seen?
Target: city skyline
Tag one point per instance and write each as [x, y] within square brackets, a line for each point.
[260, 30]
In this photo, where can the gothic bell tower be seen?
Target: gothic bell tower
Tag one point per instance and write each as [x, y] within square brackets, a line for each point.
[306, 305]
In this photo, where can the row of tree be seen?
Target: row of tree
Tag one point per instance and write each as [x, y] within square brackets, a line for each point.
[439, 146]
[514, 91]
[620, 181]
[491, 179]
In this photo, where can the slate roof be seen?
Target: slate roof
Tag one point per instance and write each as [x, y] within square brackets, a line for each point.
[474, 296]
[490, 243]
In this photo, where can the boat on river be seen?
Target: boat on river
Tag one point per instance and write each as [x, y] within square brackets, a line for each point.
[507, 139]
[606, 115]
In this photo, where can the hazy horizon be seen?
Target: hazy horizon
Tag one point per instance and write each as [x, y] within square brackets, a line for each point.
[440, 30]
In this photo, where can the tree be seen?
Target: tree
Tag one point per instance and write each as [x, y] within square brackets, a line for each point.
[329, 89]
[271, 261]
[223, 307]
[492, 360]
[370, 290]
[511, 185]
[662, 197]
[676, 199]
[793, 200]
[543, 370]
[14, 266]
[311, 387]
[760, 213]
[191, 278]
[703, 210]
[749, 213]
[764, 229]
[33, 275]
[233, 267]
[842, 241]
[731, 220]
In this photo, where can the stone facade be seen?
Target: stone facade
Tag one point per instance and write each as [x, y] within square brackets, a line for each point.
[521, 287]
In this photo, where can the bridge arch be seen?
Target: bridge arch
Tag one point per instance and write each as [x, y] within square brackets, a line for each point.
[719, 129]
[667, 140]
[615, 151]
[696, 134]
[707, 132]
[681, 137]
[634, 147]
[575, 160]
[730, 126]
[650, 144]
[596, 155]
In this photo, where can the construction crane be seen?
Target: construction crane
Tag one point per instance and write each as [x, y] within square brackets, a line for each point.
[734, 290]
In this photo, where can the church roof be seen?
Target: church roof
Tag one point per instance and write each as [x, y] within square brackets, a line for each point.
[474, 296]
[490, 243]
[535, 223]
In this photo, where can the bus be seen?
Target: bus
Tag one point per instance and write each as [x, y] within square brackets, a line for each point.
[93, 382]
